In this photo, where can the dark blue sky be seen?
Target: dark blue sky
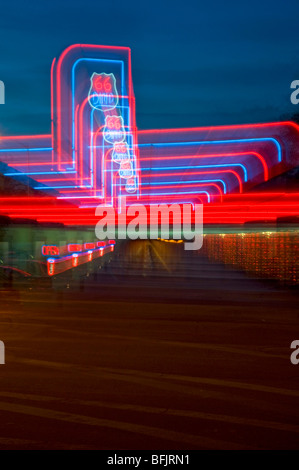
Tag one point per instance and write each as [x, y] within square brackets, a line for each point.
[194, 62]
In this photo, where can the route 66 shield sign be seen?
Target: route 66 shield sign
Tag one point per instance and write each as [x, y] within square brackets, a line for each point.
[114, 131]
[103, 93]
[120, 152]
[126, 169]
[131, 185]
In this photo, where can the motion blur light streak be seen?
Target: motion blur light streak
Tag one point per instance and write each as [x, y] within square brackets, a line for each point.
[235, 208]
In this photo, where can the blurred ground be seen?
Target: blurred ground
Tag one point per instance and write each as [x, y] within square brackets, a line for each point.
[160, 349]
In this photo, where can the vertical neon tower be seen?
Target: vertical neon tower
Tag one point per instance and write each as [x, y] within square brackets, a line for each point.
[93, 124]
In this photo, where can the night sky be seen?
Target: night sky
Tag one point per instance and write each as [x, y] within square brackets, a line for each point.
[195, 63]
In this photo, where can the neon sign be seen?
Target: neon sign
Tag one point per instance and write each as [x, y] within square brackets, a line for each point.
[51, 266]
[120, 152]
[103, 96]
[63, 263]
[93, 130]
[74, 247]
[103, 93]
[114, 131]
[89, 246]
[131, 185]
[75, 259]
[50, 250]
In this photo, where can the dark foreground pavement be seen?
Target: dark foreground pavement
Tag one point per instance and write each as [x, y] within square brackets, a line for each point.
[149, 354]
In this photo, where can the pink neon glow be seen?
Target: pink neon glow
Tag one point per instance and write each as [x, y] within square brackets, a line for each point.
[86, 182]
